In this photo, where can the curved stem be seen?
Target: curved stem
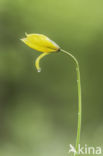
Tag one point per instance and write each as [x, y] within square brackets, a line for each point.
[79, 99]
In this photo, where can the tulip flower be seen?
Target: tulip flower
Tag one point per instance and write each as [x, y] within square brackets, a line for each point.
[40, 43]
[45, 45]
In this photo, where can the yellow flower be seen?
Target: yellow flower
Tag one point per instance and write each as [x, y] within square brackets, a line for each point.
[40, 43]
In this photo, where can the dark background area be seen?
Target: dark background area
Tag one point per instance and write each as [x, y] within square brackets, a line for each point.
[38, 111]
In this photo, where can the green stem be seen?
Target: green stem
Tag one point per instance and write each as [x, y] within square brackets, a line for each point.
[79, 99]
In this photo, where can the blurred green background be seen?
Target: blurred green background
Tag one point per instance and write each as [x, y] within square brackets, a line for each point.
[38, 111]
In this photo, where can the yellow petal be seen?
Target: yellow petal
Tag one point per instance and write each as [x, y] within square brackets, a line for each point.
[40, 43]
[38, 60]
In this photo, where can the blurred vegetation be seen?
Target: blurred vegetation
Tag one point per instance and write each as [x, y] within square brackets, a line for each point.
[38, 112]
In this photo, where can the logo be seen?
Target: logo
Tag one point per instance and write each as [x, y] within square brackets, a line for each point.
[85, 150]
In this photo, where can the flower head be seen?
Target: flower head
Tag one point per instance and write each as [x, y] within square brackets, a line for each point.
[40, 43]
